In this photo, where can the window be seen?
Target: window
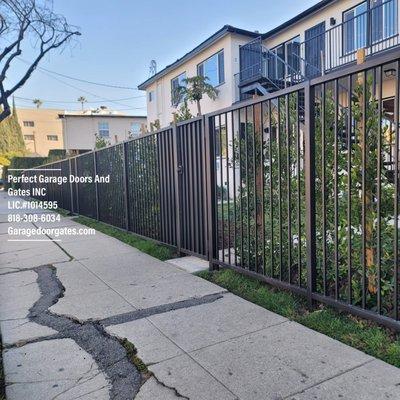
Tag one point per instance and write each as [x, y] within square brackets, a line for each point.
[383, 19]
[104, 130]
[176, 84]
[151, 96]
[29, 123]
[52, 138]
[293, 54]
[355, 28]
[213, 68]
[368, 23]
[135, 128]
[29, 137]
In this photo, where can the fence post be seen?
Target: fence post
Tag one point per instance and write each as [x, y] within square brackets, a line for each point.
[125, 183]
[210, 187]
[309, 105]
[177, 188]
[96, 189]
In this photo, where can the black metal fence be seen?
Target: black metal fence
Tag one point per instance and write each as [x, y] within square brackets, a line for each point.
[299, 188]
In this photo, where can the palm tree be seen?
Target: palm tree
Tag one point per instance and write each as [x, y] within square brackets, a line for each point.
[194, 89]
[37, 102]
[82, 100]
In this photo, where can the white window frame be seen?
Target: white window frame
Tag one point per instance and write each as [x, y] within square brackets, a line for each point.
[101, 128]
[202, 64]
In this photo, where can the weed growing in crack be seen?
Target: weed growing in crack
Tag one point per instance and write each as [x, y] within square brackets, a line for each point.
[131, 352]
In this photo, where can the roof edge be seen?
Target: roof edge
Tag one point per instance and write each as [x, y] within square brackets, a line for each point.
[207, 42]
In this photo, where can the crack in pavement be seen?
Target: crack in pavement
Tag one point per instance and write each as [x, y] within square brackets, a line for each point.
[109, 355]
[71, 257]
[173, 389]
[164, 308]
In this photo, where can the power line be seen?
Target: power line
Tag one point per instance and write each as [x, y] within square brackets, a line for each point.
[75, 102]
[81, 80]
[89, 82]
[86, 91]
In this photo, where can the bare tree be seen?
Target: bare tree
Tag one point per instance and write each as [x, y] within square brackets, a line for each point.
[24, 23]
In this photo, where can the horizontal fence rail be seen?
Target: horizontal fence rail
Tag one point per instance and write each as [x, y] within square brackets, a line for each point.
[299, 188]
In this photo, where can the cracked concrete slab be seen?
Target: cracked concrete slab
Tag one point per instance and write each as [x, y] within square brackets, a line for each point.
[21, 330]
[18, 291]
[53, 369]
[278, 361]
[207, 324]
[93, 305]
[152, 345]
[176, 288]
[374, 380]
[152, 390]
[129, 269]
[78, 280]
[26, 259]
[190, 380]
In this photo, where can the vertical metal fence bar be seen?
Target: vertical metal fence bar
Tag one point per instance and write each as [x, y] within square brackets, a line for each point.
[77, 188]
[96, 190]
[310, 189]
[262, 185]
[335, 180]
[379, 71]
[396, 197]
[125, 183]
[349, 182]
[363, 186]
[221, 192]
[211, 195]
[228, 188]
[177, 187]
[255, 166]
[289, 194]
[234, 186]
[271, 197]
[298, 156]
[278, 130]
[323, 190]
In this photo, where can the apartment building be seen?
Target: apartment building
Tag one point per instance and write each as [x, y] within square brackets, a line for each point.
[81, 129]
[41, 130]
[240, 64]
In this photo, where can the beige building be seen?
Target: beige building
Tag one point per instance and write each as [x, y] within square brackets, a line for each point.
[241, 64]
[81, 129]
[41, 130]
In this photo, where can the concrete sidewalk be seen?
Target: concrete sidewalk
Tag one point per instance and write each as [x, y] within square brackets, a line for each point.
[63, 304]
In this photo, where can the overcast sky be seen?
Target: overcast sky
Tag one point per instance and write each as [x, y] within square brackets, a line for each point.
[121, 37]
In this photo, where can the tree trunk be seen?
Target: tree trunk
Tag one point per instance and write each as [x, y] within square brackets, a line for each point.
[198, 108]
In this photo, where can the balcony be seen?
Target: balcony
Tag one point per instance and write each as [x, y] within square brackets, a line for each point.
[264, 70]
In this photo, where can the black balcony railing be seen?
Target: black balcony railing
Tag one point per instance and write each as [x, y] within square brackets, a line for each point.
[374, 30]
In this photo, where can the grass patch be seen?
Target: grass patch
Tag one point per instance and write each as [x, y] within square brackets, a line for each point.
[156, 250]
[62, 212]
[356, 332]
[131, 352]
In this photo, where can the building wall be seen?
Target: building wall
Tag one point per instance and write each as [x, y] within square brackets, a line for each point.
[161, 108]
[80, 131]
[46, 122]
